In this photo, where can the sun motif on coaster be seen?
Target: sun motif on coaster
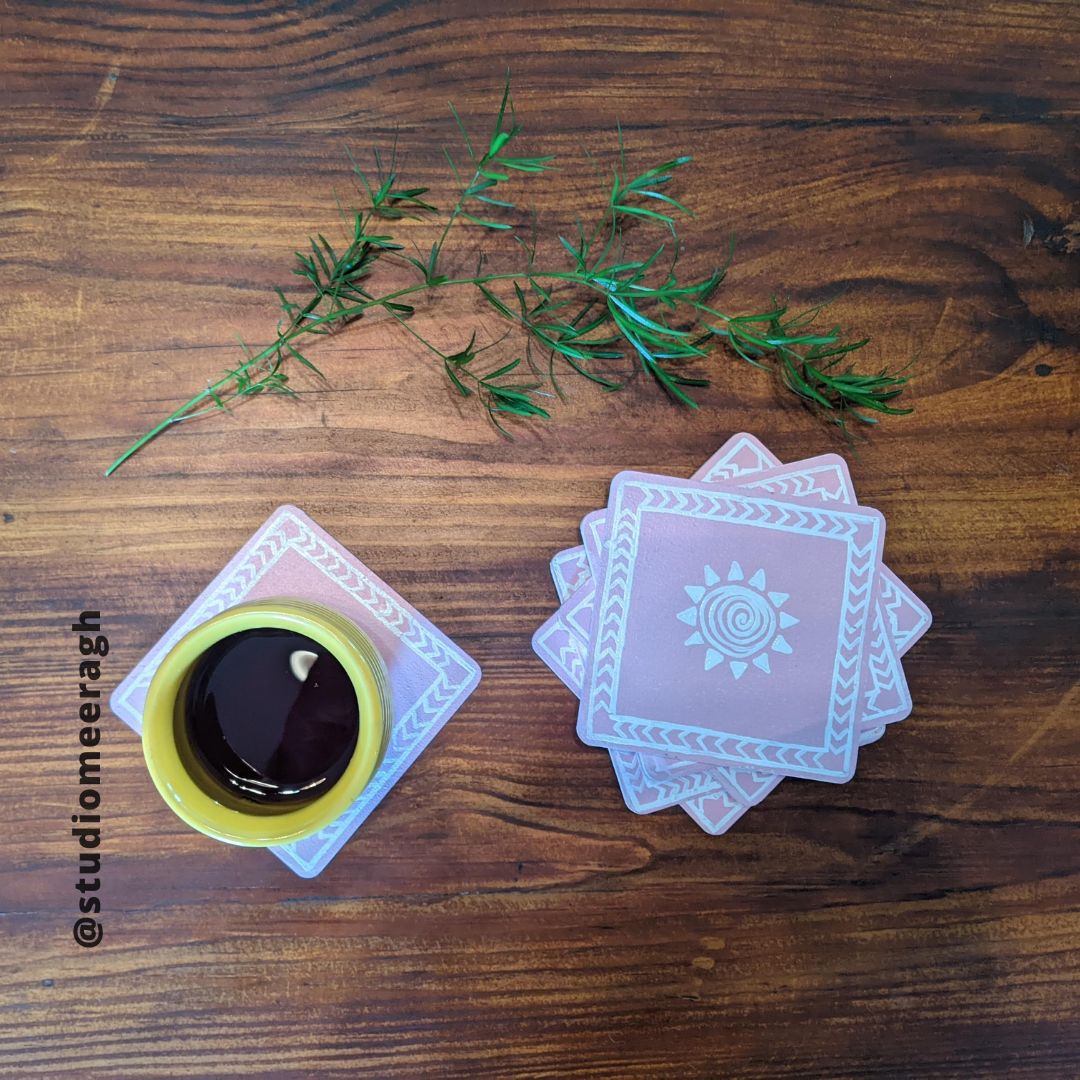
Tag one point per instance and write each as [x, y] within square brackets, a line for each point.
[738, 623]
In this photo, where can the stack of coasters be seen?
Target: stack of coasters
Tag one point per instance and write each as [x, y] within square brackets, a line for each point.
[430, 677]
[726, 631]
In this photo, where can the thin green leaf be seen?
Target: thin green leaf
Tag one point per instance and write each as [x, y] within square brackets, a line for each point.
[485, 224]
[294, 352]
[464, 133]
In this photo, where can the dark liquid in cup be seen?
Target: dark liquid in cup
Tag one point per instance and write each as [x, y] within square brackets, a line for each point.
[271, 715]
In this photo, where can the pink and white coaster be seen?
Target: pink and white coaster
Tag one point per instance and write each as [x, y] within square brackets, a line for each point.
[430, 677]
[890, 624]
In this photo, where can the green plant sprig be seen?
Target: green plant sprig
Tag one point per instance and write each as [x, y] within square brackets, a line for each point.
[603, 307]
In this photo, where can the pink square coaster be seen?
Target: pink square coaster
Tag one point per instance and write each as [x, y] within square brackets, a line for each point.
[651, 781]
[430, 676]
[759, 682]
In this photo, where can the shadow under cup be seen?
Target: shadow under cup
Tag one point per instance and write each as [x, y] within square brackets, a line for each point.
[189, 783]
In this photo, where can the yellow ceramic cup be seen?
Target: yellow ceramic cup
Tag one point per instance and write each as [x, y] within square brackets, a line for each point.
[207, 805]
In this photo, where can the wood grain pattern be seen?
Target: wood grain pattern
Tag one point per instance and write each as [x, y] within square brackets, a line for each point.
[502, 914]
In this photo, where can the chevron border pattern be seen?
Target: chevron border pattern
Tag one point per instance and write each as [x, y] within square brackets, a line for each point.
[562, 651]
[828, 482]
[860, 532]
[908, 616]
[569, 570]
[645, 791]
[886, 700]
[741, 457]
[715, 812]
[452, 673]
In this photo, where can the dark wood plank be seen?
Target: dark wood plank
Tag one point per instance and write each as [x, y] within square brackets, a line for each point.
[502, 914]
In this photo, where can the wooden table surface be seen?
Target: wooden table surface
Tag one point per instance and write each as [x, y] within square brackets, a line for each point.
[502, 914]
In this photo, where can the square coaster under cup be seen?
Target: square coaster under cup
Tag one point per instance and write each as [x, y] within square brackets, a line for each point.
[430, 677]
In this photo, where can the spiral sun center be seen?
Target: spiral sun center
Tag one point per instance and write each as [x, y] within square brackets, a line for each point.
[736, 620]
[739, 622]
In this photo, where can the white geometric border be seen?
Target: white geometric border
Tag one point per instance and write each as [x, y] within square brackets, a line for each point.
[454, 674]
[861, 534]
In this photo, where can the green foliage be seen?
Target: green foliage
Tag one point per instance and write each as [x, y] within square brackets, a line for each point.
[591, 315]
[386, 201]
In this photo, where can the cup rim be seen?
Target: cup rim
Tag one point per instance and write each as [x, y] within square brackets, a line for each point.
[209, 815]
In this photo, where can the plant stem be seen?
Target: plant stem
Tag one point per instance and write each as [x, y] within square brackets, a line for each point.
[631, 301]
[304, 323]
[452, 218]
